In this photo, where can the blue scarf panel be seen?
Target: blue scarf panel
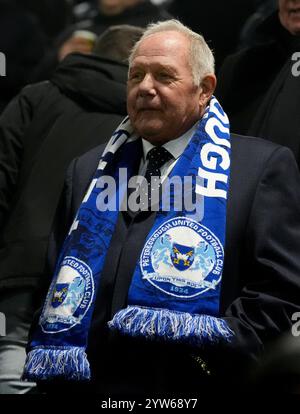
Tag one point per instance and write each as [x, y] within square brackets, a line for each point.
[180, 268]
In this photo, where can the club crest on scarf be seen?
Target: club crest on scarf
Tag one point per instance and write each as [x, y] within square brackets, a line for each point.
[59, 294]
[69, 298]
[182, 258]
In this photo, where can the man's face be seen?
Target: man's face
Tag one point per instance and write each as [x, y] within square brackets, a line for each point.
[289, 15]
[162, 100]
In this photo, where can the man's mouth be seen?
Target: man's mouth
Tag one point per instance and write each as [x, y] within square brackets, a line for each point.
[147, 109]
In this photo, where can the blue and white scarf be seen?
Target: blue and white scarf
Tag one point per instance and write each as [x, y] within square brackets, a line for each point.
[175, 289]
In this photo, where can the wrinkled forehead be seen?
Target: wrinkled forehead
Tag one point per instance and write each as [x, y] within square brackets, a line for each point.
[167, 44]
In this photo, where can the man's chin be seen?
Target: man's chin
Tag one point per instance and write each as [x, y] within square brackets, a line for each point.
[149, 130]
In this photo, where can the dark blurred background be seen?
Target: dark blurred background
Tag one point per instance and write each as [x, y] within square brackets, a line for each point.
[35, 35]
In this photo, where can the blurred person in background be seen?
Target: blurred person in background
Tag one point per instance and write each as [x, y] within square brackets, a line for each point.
[260, 85]
[108, 12]
[23, 44]
[53, 15]
[41, 131]
[249, 35]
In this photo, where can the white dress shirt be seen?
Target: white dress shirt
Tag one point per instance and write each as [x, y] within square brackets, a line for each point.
[175, 147]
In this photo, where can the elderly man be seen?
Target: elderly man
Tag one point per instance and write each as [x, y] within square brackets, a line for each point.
[160, 297]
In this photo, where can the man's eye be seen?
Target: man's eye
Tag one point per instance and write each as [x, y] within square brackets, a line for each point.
[136, 76]
[164, 76]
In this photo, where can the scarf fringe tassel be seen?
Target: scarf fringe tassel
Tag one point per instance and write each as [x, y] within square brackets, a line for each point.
[170, 325]
[64, 363]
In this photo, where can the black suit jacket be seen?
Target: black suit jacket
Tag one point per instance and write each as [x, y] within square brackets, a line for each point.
[260, 284]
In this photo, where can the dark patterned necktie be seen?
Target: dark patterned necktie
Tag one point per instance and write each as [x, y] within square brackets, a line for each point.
[156, 157]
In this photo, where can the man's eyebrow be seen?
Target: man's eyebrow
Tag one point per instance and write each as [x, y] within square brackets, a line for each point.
[157, 65]
[167, 67]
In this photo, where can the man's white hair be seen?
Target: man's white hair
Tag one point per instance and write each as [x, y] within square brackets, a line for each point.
[201, 60]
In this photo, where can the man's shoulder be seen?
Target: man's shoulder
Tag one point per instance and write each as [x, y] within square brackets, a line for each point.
[36, 89]
[86, 165]
[92, 156]
[32, 94]
[251, 155]
[81, 172]
[253, 146]
[242, 140]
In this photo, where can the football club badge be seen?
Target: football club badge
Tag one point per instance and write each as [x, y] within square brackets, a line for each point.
[69, 298]
[182, 258]
[59, 294]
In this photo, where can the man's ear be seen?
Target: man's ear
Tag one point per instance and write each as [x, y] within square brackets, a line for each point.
[208, 86]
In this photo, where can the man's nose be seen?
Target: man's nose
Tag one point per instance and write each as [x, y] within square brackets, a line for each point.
[146, 86]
